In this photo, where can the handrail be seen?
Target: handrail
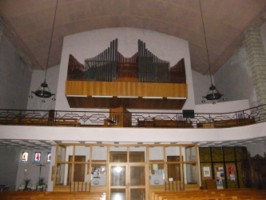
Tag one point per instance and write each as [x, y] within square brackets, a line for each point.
[138, 119]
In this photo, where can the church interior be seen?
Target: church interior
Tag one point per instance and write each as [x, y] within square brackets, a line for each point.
[133, 100]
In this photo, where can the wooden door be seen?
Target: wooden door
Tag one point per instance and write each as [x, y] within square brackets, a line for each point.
[79, 169]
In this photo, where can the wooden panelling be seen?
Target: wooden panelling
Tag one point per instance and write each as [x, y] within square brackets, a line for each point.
[81, 94]
[138, 103]
[233, 161]
[116, 89]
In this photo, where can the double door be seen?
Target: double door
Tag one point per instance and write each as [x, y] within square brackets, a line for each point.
[127, 181]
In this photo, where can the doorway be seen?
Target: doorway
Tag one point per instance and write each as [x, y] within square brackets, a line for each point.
[127, 181]
[127, 175]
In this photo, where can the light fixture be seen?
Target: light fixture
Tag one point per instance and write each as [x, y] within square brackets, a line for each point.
[213, 94]
[43, 91]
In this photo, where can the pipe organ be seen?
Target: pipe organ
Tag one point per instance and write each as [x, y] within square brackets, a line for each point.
[111, 80]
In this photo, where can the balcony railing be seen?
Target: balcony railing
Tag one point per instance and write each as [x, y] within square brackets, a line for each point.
[132, 119]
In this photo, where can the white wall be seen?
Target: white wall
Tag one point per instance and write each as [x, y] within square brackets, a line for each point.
[36, 103]
[201, 84]
[15, 77]
[50, 171]
[222, 107]
[257, 148]
[263, 35]
[31, 170]
[9, 157]
[234, 79]
[89, 44]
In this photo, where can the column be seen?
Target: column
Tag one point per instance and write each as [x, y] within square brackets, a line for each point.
[1, 28]
[257, 61]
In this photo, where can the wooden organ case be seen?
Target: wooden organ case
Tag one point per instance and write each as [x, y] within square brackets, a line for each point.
[109, 80]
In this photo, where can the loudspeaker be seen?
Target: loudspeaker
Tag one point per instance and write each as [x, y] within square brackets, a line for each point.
[51, 115]
[188, 114]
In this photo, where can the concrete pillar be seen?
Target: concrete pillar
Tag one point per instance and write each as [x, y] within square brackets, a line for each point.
[257, 60]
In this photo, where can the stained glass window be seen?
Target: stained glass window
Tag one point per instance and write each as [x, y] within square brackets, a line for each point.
[49, 157]
[37, 157]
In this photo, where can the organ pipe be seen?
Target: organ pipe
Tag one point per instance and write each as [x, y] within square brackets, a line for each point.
[110, 65]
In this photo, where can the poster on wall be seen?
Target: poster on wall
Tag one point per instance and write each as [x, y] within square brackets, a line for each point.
[206, 172]
[231, 171]
[219, 176]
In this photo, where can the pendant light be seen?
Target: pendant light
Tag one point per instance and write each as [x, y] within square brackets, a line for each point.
[213, 94]
[43, 91]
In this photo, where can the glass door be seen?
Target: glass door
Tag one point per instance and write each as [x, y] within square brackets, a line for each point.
[136, 181]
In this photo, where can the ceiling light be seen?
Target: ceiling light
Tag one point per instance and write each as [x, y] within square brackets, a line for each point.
[213, 94]
[43, 91]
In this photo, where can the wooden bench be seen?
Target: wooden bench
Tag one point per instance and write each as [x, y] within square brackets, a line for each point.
[9, 120]
[211, 194]
[66, 121]
[233, 122]
[42, 121]
[164, 123]
[227, 123]
[52, 196]
[172, 123]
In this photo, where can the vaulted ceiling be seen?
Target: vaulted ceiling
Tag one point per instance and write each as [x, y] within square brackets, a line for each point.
[28, 24]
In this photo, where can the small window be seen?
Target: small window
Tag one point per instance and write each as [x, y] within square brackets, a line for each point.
[37, 157]
[24, 156]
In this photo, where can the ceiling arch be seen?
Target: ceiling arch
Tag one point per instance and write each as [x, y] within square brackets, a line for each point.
[28, 24]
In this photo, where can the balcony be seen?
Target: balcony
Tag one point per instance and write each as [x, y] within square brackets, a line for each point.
[120, 117]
